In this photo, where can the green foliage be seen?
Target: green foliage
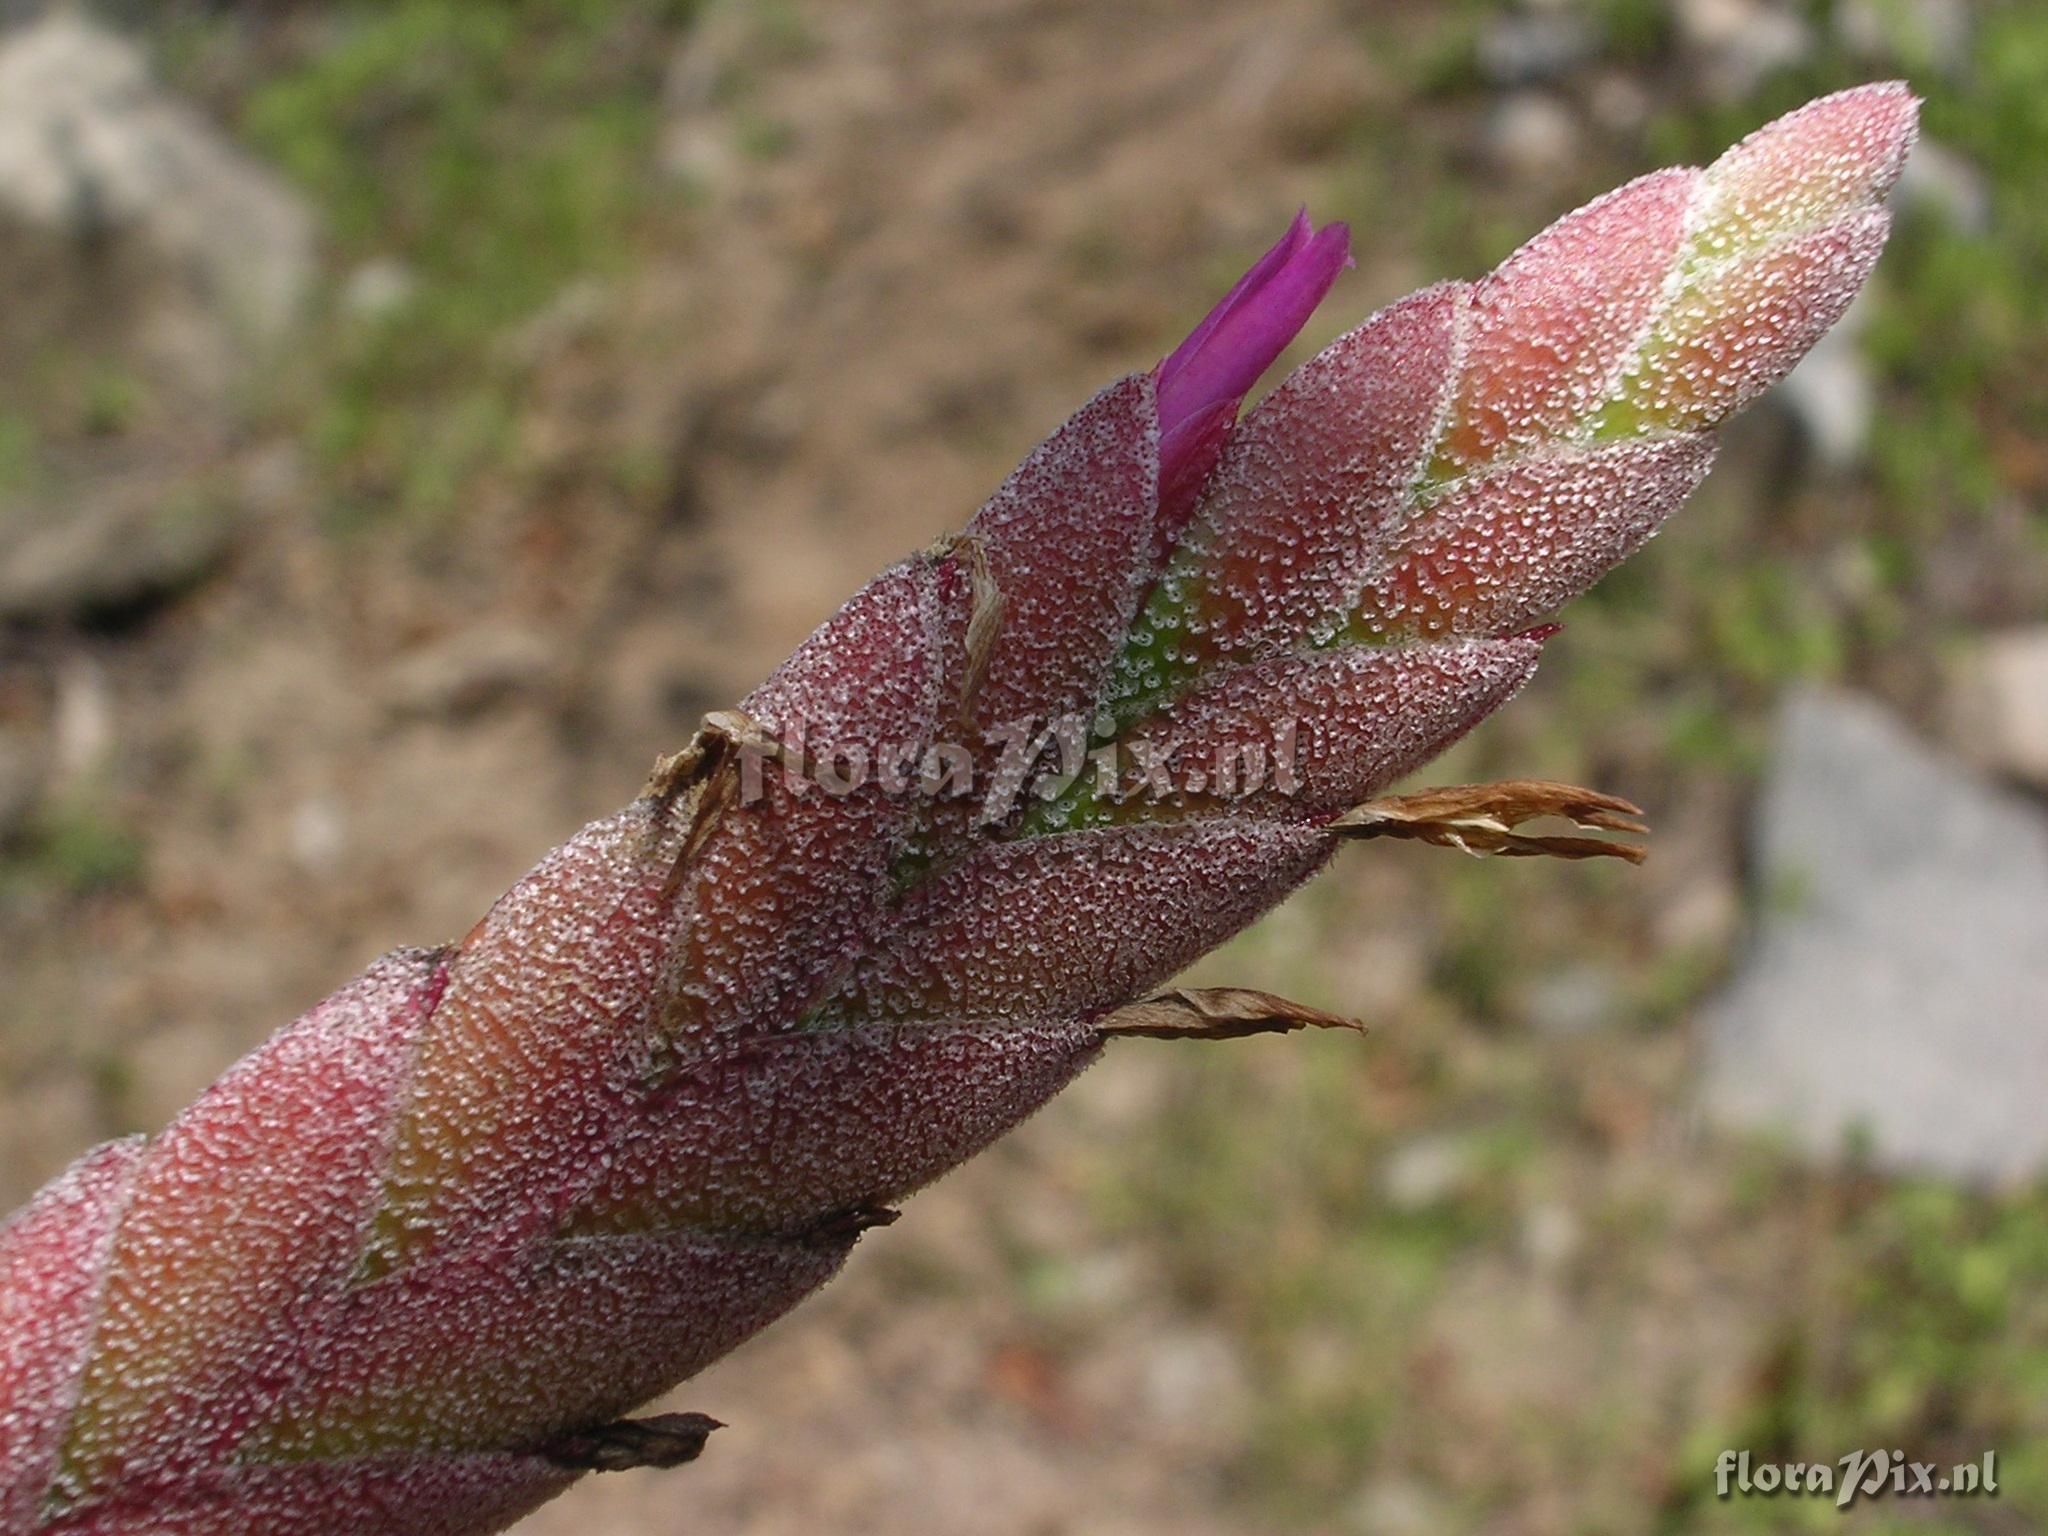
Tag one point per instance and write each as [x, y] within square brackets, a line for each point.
[74, 847]
[1920, 1326]
[18, 456]
[499, 153]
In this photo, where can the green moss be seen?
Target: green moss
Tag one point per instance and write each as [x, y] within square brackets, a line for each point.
[20, 459]
[76, 848]
[500, 153]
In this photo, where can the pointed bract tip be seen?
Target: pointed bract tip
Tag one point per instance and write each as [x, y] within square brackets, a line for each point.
[1828, 158]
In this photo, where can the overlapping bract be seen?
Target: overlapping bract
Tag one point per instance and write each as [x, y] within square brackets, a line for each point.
[401, 1268]
[1474, 455]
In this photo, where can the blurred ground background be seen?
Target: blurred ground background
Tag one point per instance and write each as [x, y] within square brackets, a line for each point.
[413, 415]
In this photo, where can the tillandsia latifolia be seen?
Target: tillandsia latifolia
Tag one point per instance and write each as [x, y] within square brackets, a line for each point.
[410, 1265]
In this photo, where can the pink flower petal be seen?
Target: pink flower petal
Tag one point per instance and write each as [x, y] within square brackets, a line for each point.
[1239, 339]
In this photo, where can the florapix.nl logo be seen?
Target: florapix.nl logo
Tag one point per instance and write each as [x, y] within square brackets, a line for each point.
[1858, 1475]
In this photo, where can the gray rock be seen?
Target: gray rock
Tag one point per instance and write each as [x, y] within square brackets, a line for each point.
[1572, 1001]
[1831, 397]
[1619, 103]
[1739, 44]
[1895, 991]
[121, 551]
[1550, 1237]
[469, 672]
[1195, 1383]
[1533, 47]
[698, 145]
[318, 834]
[1427, 1171]
[85, 725]
[94, 152]
[1396, 1505]
[378, 289]
[1531, 134]
[2002, 705]
[1940, 182]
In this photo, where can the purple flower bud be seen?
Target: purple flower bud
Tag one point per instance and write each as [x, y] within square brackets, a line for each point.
[1206, 375]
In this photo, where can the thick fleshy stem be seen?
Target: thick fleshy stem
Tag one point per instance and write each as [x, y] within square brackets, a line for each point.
[409, 1265]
